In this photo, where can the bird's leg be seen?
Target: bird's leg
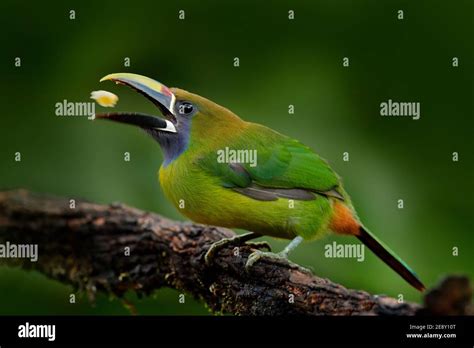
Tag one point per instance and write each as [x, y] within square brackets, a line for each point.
[235, 240]
[282, 255]
[291, 246]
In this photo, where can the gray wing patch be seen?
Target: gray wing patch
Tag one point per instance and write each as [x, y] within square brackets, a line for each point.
[332, 193]
[241, 178]
[272, 194]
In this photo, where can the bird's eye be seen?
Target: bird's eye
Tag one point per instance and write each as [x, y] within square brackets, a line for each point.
[185, 108]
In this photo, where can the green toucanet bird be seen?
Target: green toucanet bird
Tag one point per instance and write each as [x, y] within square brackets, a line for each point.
[221, 170]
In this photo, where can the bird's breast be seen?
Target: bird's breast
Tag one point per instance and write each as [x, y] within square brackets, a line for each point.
[203, 199]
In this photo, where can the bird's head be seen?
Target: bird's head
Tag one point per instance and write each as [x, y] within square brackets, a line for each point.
[186, 116]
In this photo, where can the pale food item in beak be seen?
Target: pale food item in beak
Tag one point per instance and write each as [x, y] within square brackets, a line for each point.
[104, 98]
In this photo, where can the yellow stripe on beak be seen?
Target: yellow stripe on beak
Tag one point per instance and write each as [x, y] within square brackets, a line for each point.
[157, 92]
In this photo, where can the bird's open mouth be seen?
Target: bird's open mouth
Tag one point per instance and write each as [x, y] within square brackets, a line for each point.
[156, 92]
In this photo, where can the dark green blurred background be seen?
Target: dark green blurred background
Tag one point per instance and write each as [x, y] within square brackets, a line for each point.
[282, 62]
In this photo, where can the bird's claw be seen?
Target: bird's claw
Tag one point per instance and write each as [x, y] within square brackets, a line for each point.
[257, 255]
[215, 247]
[280, 257]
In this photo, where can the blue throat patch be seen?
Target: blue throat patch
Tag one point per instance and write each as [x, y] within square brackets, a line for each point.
[172, 144]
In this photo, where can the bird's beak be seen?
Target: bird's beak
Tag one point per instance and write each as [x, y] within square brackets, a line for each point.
[155, 91]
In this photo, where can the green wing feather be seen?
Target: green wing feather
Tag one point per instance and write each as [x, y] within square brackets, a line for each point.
[282, 162]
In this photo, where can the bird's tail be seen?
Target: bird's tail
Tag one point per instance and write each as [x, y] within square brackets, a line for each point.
[390, 258]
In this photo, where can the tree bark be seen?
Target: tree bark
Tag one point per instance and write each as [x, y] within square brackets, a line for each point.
[86, 246]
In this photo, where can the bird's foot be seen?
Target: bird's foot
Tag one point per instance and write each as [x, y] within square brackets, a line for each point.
[282, 256]
[236, 240]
